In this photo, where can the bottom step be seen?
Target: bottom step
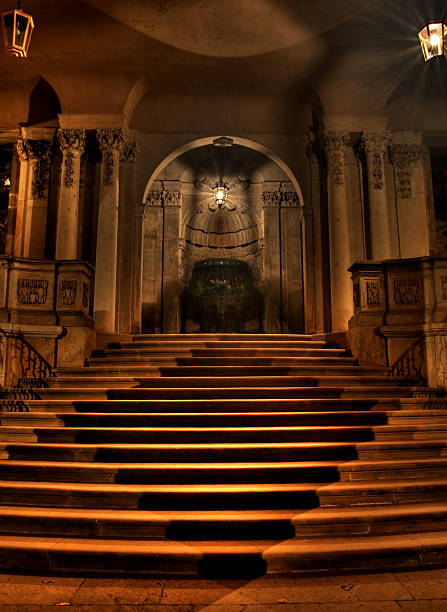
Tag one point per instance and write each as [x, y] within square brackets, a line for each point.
[226, 559]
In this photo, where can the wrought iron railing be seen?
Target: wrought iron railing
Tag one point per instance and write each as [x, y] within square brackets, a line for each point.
[24, 371]
[411, 365]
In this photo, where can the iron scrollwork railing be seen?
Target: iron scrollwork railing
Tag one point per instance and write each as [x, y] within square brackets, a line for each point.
[411, 364]
[25, 371]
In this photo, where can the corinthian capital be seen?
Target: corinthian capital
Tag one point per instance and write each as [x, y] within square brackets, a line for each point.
[373, 142]
[73, 140]
[110, 141]
[335, 141]
[129, 152]
[22, 150]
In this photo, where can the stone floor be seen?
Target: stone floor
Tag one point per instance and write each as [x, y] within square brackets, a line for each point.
[422, 591]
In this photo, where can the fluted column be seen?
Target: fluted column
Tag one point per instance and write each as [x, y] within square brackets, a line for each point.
[412, 199]
[375, 145]
[272, 282]
[72, 145]
[22, 187]
[341, 285]
[111, 144]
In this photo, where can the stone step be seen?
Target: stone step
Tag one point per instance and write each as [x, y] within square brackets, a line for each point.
[224, 372]
[370, 520]
[191, 435]
[222, 337]
[173, 473]
[92, 393]
[226, 344]
[194, 453]
[249, 404]
[205, 418]
[159, 497]
[299, 381]
[229, 362]
[221, 352]
[229, 559]
[142, 524]
[235, 496]
[396, 468]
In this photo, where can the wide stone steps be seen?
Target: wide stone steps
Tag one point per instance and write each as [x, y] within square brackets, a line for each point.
[223, 453]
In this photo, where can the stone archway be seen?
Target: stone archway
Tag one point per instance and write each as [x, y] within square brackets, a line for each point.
[261, 230]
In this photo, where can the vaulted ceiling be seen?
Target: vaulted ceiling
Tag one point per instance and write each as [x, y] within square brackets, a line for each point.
[263, 65]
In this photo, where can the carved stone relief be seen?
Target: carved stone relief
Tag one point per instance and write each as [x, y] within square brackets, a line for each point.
[164, 198]
[85, 295]
[407, 291]
[39, 153]
[373, 293]
[32, 291]
[67, 292]
[356, 295]
[129, 152]
[276, 199]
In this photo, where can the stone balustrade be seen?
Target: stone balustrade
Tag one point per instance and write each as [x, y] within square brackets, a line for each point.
[400, 308]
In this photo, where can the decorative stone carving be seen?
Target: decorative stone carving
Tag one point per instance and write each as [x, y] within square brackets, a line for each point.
[129, 152]
[373, 292]
[402, 157]
[39, 152]
[22, 150]
[67, 292]
[164, 198]
[72, 143]
[275, 199]
[32, 291]
[334, 144]
[407, 291]
[109, 140]
[374, 145]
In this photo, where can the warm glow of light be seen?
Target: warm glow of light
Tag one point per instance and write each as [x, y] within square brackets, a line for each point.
[432, 38]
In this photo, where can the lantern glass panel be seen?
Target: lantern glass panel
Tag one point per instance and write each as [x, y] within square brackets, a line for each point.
[17, 30]
[431, 38]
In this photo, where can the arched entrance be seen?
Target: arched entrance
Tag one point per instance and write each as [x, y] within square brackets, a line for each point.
[243, 256]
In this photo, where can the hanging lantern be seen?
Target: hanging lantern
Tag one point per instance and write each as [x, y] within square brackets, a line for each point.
[17, 29]
[433, 39]
[220, 193]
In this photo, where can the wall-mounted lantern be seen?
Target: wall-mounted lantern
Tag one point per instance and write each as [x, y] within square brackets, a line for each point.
[17, 29]
[433, 39]
[220, 194]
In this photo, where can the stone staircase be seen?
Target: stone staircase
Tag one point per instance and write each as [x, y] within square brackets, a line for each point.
[223, 455]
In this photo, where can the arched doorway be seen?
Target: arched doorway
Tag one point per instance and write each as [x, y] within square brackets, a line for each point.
[246, 254]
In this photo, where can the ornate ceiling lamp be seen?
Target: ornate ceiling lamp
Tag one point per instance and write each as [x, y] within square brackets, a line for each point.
[220, 192]
[17, 29]
[433, 39]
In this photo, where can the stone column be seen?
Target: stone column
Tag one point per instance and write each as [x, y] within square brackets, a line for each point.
[72, 145]
[152, 263]
[341, 286]
[170, 288]
[375, 145]
[272, 281]
[32, 197]
[412, 199]
[291, 264]
[111, 144]
[127, 257]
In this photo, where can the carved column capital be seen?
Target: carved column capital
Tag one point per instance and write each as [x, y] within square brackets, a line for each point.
[72, 143]
[39, 152]
[73, 140]
[375, 141]
[334, 144]
[22, 150]
[129, 152]
[110, 140]
[403, 156]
